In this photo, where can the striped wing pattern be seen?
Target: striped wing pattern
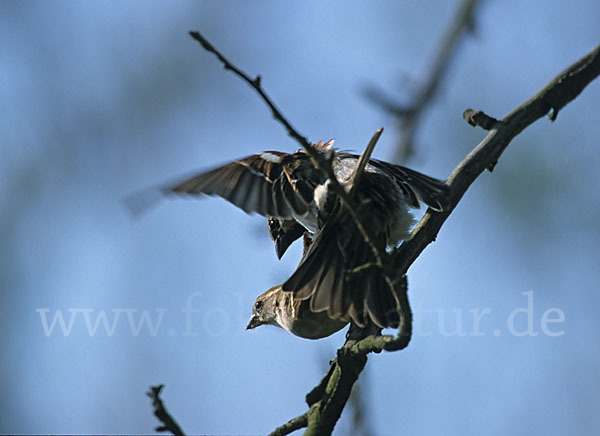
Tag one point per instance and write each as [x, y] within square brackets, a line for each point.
[272, 184]
[416, 186]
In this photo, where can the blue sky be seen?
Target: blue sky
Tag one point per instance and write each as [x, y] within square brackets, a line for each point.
[103, 99]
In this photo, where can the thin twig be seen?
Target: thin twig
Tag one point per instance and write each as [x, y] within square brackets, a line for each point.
[160, 411]
[322, 162]
[254, 83]
[409, 115]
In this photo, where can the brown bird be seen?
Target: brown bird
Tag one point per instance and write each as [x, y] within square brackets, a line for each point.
[279, 308]
[295, 196]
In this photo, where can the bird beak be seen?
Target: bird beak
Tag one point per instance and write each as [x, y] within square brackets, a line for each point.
[254, 322]
[280, 248]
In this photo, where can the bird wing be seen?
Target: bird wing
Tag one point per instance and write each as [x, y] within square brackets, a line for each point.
[415, 185]
[271, 183]
[323, 277]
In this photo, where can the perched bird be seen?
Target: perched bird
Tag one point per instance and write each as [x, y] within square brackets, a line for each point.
[279, 308]
[295, 196]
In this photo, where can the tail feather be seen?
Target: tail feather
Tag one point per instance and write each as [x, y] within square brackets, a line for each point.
[325, 279]
[379, 304]
[322, 278]
[308, 273]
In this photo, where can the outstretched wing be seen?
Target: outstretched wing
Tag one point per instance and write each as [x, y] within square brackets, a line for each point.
[271, 184]
[417, 186]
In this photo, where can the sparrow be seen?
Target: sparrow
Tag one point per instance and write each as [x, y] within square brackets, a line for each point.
[294, 195]
[281, 309]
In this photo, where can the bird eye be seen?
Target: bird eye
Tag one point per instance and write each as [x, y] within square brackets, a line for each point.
[258, 305]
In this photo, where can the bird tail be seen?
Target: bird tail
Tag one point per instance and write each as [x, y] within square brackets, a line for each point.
[337, 274]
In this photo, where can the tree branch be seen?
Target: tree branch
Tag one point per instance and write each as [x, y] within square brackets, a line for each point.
[554, 96]
[291, 426]
[254, 83]
[160, 411]
[409, 115]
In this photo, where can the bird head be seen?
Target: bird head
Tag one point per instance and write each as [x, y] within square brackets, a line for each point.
[263, 310]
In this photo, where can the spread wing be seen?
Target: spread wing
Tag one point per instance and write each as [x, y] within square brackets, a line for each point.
[416, 186]
[271, 184]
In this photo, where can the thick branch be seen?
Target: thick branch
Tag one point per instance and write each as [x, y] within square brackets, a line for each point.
[323, 415]
[329, 398]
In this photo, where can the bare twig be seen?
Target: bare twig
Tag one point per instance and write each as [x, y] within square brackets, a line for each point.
[254, 83]
[479, 118]
[160, 411]
[321, 161]
[409, 115]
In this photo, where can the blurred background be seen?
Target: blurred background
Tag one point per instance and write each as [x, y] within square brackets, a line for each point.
[103, 99]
